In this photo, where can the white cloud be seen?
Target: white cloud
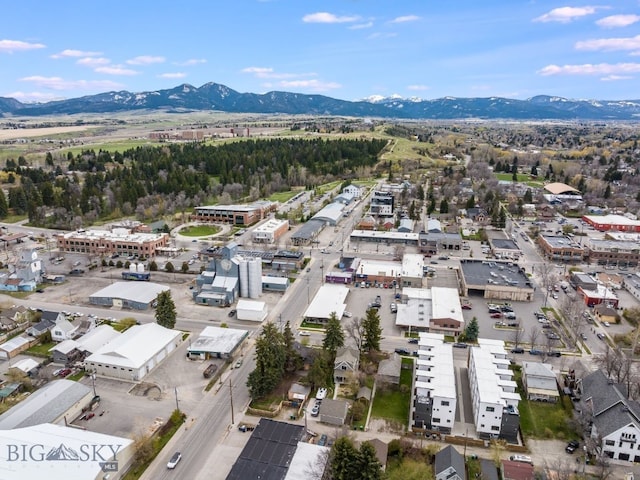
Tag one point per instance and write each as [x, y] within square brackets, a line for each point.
[115, 70]
[172, 75]
[33, 96]
[267, 72]
[624, 43]
[325, 17]
[93, 61]
[191, 62]
[418, 88]
[566, 14]
[405, 19]
[145, 60]
[613, 78]
[360, 26]
[314, 85]
[58, 83]
[258, 71]
[69, 53]
[615, 21]
[10, 46]
[605, 69]
[376, 35]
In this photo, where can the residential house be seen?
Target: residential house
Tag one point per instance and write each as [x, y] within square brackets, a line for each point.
[615, 418]
[540, 382]
[13, 347]
[604, 313]
[488, 470]
[28, 366]
[41, 327]
[66, 352]
[517, 470]
[334, 412]
[346, 363]
[389, 370]
[449, 465]
[63, 330]
[382, 451]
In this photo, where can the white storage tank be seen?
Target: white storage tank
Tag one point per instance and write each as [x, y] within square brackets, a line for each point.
[141, 268]
[255, 277]
[244, 277]
[132, 267]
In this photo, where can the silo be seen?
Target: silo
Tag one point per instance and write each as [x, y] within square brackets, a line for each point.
[132, 267]
[244, 278]
[141, 268]
[255, 277]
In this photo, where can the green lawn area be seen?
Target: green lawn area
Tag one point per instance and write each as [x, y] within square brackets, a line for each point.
[312, 326]
[42, 349]
[322, 189]
[546, 420]
[199, 231]
[76, 376]
[522, 178]
[281, 196]
[393, 403]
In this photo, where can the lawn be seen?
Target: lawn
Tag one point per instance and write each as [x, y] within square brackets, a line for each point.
[199, 231]
[42, 349]
[393, 403]
[322, 189]
[282, 196]
[546, 420]
[522, 178]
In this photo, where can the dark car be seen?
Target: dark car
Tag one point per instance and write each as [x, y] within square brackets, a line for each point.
[413, 340]
[323, 440]
[555, 353]
[232, 313]
[402, 351]
[517, 350]
[496, 315]
[460, 345]
[572, 446]
[466, 306]
[534, 351]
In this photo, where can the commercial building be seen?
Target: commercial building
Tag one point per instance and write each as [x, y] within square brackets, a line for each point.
[133, 354]
[73, 350]
[330, 214]
[434, 388]
[330, 299]
[388, 238]
[246, 214]
[561, 249]
[378, 271]
[617, 253]
[251, 310]
[307, 233]
[493, 392]
[117, 241]
[412, 270]
[505, 248]
[582, 280]
[382, 204]
[216, 342]
[432, 243]
[270, 231]
[435, 310]
[615, 418]
[599, 295]
[134, 295]
[498, 280]
[605, 223]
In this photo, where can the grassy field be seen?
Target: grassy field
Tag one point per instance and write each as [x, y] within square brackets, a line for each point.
[281, 196]
[199, 231]
[322, 189]
[393, 403]
[522, 178]
[546, 420]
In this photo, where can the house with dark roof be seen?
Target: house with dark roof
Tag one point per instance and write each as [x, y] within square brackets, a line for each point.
[488, 470]
[615, 418]
[334, 412]
[41, 327]
[449, 465]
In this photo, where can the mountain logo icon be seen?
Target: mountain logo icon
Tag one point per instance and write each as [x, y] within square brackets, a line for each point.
[63, 453]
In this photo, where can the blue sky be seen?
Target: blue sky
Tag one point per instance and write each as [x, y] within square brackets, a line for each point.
[348, 49]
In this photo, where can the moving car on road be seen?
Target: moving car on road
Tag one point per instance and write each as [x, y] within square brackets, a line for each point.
[173, 461]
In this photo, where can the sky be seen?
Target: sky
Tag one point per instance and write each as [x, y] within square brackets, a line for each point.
[346, 49]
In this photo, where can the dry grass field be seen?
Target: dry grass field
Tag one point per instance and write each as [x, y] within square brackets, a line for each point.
[9, 134]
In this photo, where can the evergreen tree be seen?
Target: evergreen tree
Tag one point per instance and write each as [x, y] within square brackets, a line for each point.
[472, 330]
[444, 206]
[344, 460]
[293, 360]
[607, 192]
[321, 370]
[169, 267]
[372, 332]
[420, 192]
[471, 202]
[165, 310]
[334, 335]
[528, 196]
[369, 467]
[4, 208]
[270, 362]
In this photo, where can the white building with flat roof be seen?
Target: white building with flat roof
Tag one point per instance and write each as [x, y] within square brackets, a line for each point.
[435, 309]
[329, 299]
[412, 270]
[494, 398]
[251, 310]
[270, 231]
[434, 402]
[134, 353]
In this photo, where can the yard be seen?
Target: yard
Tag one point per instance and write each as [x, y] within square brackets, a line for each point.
[199, 231]
[42, 349]
[393, 403]
[282, 197]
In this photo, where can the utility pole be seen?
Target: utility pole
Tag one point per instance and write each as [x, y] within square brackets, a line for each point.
[175, 391]
[93, 382]
[231, 397]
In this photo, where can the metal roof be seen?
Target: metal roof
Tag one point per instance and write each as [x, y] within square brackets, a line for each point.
[140, 292]
[218, 340]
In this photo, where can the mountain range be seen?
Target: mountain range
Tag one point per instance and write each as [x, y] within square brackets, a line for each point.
[216, 97]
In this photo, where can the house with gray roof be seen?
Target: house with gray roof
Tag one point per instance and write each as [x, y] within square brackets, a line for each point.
[539, 382]
[615, 417]
[449, 465]
[389, 370]
[334, 412]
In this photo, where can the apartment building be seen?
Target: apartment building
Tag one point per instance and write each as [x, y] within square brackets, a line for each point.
[434, 392]
[493, 391]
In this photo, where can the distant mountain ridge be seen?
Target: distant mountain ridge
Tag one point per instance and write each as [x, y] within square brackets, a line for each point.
[213, 96]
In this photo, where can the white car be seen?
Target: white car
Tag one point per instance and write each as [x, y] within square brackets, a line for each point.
[347, 314]
[322, 393]
[304, 333]
[173, 461]
[606, 324]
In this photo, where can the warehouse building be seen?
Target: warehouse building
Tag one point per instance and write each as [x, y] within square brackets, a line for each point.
[133, 354]
[329, 299]
[330, 214]
[251, 310]
[216, 342]
[134, 295]
[495, 280]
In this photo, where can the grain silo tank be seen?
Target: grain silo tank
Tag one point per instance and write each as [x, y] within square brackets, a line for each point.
[244, 278]
[255, 277]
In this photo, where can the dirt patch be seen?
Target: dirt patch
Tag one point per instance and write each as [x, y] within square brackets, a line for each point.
[148, 390]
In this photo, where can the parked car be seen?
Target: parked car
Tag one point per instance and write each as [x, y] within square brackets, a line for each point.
[496, 315]
[601, 335]
[232, 313]
[315, 411]
[347, 314]
[323, 440]
[606, 324]
[64, 372]
[517, 350]
[466, 306]
[534, 351]
[304, 333]
[238, 364]
[510, 316]
[402, 351]
[572, 446]
[173, 461]
[413, 340]
[583, 336]
[554, 353]
[460, 345]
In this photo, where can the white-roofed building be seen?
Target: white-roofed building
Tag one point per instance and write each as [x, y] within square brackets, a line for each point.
[216, 342]
[378, 271]
[63, 330]
[329, 299]
[270, 231]
[354, 190]
[379, 236]
[134, 353]
[540, 382]
[13, 347]
[53, 403]
[412, 270]
[436, 310]
[87, 344]
[434, 226]
[56, 452]
[434, 402]
[251, 310]
[330, 214]
[26, 365]
[307, 457]
[105, 242]
[494, 398]
[135, 295]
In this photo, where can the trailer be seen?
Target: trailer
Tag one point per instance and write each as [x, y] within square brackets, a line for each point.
[136, 276]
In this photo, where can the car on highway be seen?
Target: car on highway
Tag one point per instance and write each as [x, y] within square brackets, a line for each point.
[174, 460]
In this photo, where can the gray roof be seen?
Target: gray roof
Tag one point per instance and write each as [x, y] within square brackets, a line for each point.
[348, 355]
[539, 375]
[49, 315]
[450, 457]
[309, 230]
[390, 366]
[140, 292]
[364, 392]
[488, 470]
[504, 244]
[334, 408]
[481, 272]
[45, 405]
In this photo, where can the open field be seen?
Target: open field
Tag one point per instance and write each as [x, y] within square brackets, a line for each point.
[10, 134]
